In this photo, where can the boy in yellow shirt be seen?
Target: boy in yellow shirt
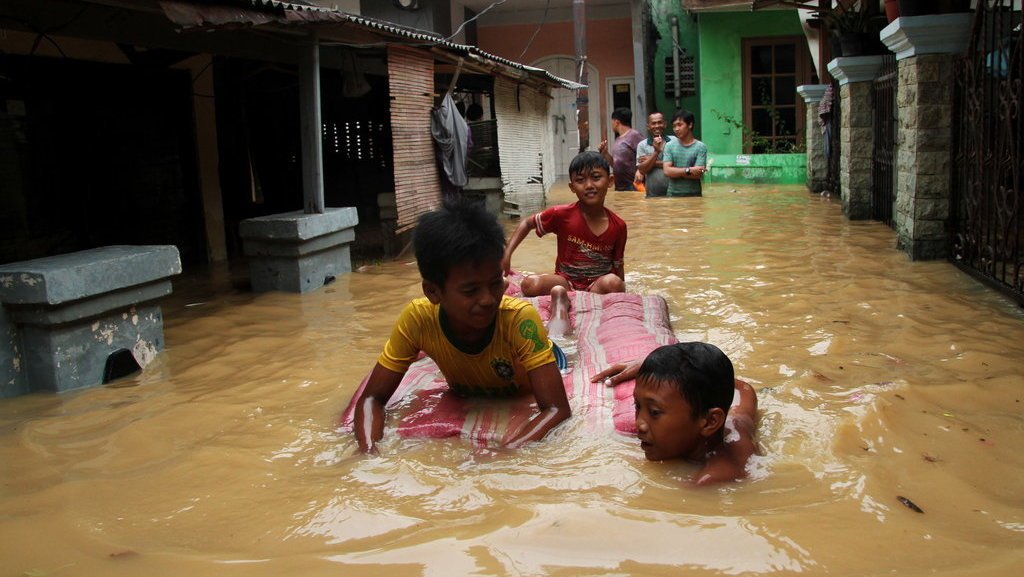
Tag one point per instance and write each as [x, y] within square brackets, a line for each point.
[485, 343]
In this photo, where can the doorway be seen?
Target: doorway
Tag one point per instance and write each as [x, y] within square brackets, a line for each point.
[619, 91]
[564, 131]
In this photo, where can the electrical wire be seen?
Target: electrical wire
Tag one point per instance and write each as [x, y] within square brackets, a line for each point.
[543, 20]
[478, 14]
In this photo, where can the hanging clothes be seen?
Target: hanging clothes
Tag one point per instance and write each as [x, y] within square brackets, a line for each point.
[825, 119]
[450, 131]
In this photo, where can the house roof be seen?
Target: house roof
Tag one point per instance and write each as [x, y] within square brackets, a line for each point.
[331, 24]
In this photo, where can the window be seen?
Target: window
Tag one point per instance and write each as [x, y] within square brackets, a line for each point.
[772, 69]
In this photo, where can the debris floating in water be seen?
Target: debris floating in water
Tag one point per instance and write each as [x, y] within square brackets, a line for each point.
[909, 504]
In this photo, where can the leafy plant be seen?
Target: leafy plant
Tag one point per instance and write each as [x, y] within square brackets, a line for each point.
[758, 143]
[751, 138]
[848, 17]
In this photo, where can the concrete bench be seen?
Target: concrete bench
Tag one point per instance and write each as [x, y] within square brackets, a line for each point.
[298, 252]
[72, 313]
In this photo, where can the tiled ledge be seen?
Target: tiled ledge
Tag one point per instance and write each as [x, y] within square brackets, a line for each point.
[933, 34]
[847, 69]
[811, 93]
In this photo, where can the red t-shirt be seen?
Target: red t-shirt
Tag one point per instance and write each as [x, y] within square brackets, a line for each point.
[582, 255]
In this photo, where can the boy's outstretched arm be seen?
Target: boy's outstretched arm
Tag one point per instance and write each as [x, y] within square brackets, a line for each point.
[738, 444]
[369, 418]
[549, 391]
[524, 228]
[618, 373]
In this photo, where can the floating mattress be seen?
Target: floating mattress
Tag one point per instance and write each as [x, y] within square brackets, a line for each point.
[607, 329]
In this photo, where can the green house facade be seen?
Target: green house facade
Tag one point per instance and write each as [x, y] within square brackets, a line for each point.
[747, 66]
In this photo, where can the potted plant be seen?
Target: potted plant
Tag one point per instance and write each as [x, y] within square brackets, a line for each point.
[855, 26]
[892, 9]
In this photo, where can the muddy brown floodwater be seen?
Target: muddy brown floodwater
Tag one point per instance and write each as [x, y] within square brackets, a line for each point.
[878, 378]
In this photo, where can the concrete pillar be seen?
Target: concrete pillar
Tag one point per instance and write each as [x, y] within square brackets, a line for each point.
[855, 75]
[640, 69]
[817, 164]
[926, 49]
[200, 67]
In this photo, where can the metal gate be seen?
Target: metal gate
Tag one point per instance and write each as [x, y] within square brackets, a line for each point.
[988, 191]
[832, 146]
[883, 169]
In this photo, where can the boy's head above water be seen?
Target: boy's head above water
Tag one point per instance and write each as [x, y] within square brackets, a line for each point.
[461, 232]
[590, 178]
[587, 161]
[458, 251]
[682, 396]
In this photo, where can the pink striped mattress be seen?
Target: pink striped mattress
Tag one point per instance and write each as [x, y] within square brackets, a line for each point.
[607, 329]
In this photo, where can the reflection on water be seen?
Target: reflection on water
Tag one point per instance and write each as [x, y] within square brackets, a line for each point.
[878, 378]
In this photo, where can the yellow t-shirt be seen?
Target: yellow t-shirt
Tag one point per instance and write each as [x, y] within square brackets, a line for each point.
[519, 344]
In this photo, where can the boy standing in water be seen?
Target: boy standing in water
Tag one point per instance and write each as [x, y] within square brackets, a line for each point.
[485, 343]
[685, 159]
[591, 240]
[689, 405]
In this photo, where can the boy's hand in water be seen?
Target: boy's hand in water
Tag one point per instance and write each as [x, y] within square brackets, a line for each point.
[617, 373]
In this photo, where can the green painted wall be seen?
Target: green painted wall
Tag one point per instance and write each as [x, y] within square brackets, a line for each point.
[757, 168]
[661, 15]
[721, 66]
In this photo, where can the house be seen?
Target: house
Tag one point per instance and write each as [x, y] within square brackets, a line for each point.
[142, 122]
[195, 124]
[737, 70]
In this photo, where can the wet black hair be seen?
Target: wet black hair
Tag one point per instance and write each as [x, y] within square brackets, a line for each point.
[684, 115]
[623, 115]
[586, 161]
[460, 231]
[701, 372]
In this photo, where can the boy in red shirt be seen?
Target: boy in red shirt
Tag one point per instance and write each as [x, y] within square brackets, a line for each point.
[591, 240]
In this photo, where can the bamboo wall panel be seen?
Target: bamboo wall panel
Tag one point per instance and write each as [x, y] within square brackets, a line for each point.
[524, 141]
[411, 85]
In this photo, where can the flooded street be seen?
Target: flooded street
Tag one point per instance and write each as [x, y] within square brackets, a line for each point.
[878, 378]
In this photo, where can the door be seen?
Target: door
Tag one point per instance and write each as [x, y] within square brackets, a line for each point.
[562, 120]
[620, 95]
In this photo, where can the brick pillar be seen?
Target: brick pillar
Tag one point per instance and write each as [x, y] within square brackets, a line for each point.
[924, 159]
[926, 48]
[817, 164]
[857, 136]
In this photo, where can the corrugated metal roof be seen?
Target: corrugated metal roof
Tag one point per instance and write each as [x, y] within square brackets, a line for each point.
[296, 12]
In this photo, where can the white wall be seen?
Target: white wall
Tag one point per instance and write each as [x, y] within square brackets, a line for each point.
[350, 6]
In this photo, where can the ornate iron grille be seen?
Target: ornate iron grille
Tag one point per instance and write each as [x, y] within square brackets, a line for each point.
[988, 237]
[833, 146]
[883, 169]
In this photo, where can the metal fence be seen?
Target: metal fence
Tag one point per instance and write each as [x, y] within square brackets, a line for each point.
[832, 148]
[988, 191]
[883, 169]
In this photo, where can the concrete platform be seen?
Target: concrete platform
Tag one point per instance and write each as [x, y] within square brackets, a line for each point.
[298, 252]
[65, 316]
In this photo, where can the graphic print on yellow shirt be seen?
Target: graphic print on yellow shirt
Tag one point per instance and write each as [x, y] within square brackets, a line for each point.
[518, 345]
